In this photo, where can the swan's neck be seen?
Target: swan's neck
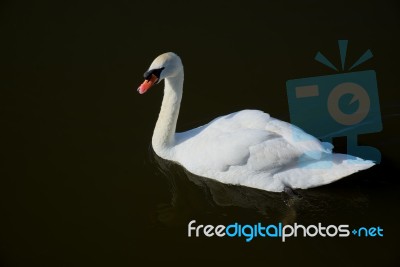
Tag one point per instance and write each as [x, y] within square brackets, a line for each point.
[164, 132]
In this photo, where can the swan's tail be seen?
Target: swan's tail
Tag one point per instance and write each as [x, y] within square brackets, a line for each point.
[330, 168]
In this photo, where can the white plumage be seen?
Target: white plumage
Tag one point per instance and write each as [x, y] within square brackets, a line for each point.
[247, 148]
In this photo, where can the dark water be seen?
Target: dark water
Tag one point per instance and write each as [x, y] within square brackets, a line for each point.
[80, 185]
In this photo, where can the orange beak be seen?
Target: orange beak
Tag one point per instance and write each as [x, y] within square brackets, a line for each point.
[147, 84]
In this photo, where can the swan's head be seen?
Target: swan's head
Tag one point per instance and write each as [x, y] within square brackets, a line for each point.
[164, 66]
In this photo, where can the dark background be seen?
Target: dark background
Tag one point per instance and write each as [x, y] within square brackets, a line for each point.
[79, 185]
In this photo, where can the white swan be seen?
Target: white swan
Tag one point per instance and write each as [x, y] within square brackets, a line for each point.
[247, 148]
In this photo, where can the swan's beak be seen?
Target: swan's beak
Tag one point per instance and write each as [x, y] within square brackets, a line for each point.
[147, 84]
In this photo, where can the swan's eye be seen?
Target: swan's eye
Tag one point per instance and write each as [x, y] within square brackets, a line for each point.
[156, 72]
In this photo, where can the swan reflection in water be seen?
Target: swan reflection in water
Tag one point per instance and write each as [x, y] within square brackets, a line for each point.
[195, 197]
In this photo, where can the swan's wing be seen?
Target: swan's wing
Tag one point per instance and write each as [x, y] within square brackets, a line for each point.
[217, 148]
[247, 137]
[304, 142]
